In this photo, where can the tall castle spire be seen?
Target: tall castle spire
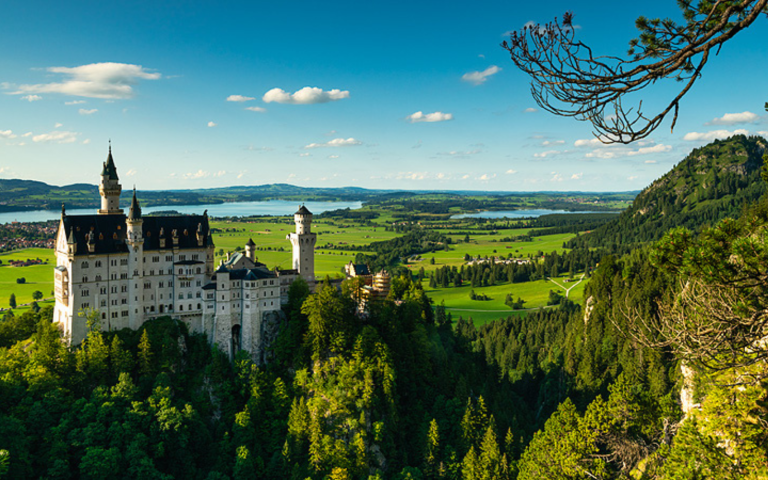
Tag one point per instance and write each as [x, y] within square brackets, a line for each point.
[109, 187]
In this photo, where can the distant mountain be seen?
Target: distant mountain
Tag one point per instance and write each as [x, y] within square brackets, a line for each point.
[711, 183]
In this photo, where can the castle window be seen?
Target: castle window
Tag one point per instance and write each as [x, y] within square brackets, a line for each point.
[147, 285]
[114, 315]
[103, 316]
[85, 305]
[198, 306]
[151, 272]
[114, 289]
[101, 236]
[124, 276]
[155, 259]
[189, 295]
[98, 278]
[168, 258]
[198, 270]
[181, 296]
[123, 261]
[160, 284]
[85, 293]
[85, 279]
[113, 263]
[182, 257]
[181, 308]
[197, 294]
[124, 313]
[103, 290]
[84, 265]
[124, 288]
[198, 283]
[103, 303]
[124, 301]
[181, 271]
[98, 263]
[195, 256]
[119, 227]
[114, 235]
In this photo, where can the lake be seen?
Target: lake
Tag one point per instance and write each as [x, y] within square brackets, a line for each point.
[537, 212]
[233, 209]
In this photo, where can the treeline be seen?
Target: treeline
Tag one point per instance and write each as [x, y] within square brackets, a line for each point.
[348, 214]
[389, 253]
[712, 183]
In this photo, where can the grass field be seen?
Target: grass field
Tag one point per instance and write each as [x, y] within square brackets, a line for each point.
[535, 294]
[275, 251]
[39, 277]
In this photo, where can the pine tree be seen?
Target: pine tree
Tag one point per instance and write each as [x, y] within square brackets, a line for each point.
[145, 355]
[12, 300]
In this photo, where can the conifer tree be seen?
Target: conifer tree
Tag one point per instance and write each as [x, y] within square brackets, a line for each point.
[145, 355]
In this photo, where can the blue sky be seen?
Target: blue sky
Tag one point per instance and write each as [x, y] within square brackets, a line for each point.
[401, 95]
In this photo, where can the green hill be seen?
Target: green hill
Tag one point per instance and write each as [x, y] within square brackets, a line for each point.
[711, 183]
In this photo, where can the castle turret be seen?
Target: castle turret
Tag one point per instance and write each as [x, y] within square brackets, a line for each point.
[109, 188]
[250, 250]
[303, 242]
[135, 241]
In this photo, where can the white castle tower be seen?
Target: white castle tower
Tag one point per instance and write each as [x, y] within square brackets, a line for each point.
[303, 242]
[134, 239]
[109, 188]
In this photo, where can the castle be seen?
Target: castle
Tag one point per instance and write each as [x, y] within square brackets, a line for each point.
[130, 268]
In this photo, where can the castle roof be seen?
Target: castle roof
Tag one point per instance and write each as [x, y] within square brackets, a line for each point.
[250, 243]
[360, 269]
[134, 213]
[303, 211]
[109, 167]
[109, 232]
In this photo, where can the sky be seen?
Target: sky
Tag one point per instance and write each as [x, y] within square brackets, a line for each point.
[394, 95]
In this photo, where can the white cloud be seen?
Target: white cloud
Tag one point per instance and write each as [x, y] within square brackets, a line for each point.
[650, 161]
[31, 98]
[429, 117]
[411, 175]
[75, 102]
[7, 134]
[461, 153]
[549, 143]
[763, 133]
[130, 172]
[486, 176]
[56, 137]
[239, 98]
[590, 142]
[83, 111]
[57, 125]
[305, 96]
[196, 175]
[96, 80]
[465, 177]
[556, 177]
[211, 124]
[256, 109]
[577, 176]
[28, 134]
[617, 150]
[478, 78]
[549, 153]
[714, 134]
[86, 141]
[336, 142]
[306, 154]
[530, 110]
[333, 156]
[633, 177]
[735, 118]
[220, 173]
[511, 172]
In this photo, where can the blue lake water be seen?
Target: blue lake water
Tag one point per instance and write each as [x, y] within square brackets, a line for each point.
[233, 209]
[515, 213]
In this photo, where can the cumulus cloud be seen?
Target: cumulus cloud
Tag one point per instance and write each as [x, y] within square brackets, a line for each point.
[86, 141]
[549, 143]
[75, 102]
[650, 161]
[57, 125]
[56, 137]
[333, 156]
[305, 96]
[96, 80]
[239, 98]
[714, 134]
[511, 172]
[212, 124]
[131, 172]
[305, 154]
[336, 142]
[621, 151]
[556, 177]
[735, 118]
[411, 175]
[486, 176]
[256, 109]
[429, 117]
[31, 98]
[83, 111]
[577, 176]
[7, 134]
[530, 110]
[478, 78]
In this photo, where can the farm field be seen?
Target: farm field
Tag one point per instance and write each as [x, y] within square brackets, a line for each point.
[535, 294]
[38, 277]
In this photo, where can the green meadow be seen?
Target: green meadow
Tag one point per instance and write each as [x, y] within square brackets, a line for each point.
[38, 277]
[273, 249]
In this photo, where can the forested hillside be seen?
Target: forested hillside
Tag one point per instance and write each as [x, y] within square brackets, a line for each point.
[711, 183]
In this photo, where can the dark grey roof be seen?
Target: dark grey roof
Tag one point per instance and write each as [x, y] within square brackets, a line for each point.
[186, 227]
[361, 269]
[188, 262]
[303, 211]
[109, 232]
[209, 286]
[109, 167]
[134, 213]
[250, 243]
